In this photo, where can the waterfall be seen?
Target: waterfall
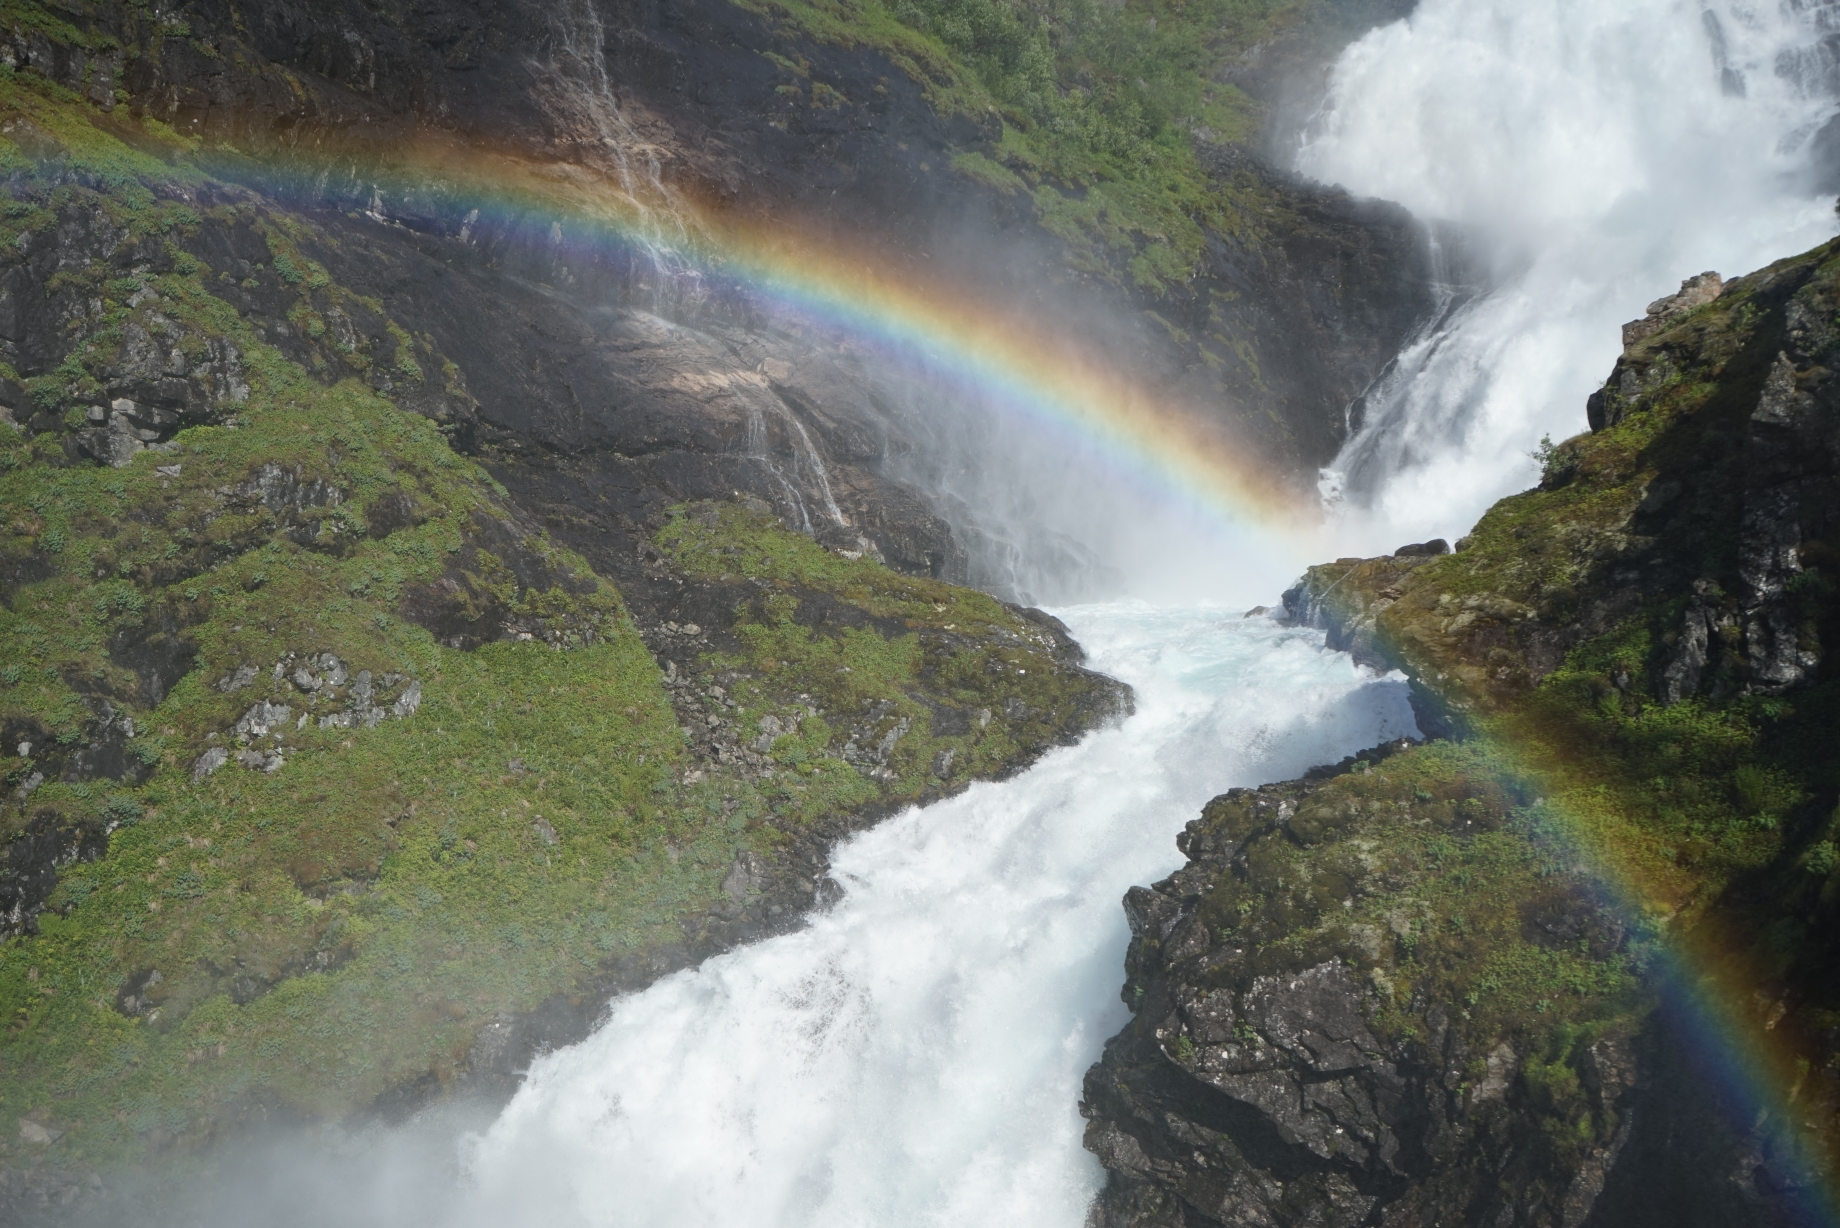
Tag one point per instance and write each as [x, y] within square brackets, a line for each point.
[808, 473]
[576, 89]
[1592, 155]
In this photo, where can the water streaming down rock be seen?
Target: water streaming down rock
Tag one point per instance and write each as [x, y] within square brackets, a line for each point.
[914, 1056]
[667, 285]
[1593, 155]
[577, 91]
[795, 451]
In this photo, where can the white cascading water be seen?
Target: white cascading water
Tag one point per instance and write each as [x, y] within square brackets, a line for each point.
[1592, 155]
[914, 1056]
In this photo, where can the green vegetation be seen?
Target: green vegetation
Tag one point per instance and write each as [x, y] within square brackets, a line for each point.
[1440, 877]
[1457, 896]
[304, 880]
[857, 658]
[1093, 108]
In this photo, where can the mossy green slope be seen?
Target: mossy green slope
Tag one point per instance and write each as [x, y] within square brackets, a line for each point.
[320, 754]
[1092, 111]
[920, 682]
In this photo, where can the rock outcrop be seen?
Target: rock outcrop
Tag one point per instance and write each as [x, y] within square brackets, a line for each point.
[1396, 991]
[1694, 292]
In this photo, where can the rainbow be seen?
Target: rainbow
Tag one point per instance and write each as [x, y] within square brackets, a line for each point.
[1706, 996]
[1163, 448]
[1172, 452]
[1166, 451]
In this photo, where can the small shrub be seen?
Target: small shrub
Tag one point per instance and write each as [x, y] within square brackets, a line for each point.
[1750, 787]
[1822, 858]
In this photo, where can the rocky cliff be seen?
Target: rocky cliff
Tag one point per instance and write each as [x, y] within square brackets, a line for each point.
[1465, 982]
[1282, 302]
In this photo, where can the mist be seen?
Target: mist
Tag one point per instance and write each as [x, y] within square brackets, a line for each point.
[1586, 158]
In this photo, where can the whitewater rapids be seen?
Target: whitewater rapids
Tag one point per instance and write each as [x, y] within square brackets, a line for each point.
[914, 1055]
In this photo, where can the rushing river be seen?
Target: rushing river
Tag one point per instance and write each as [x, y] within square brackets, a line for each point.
[914, 1055]
[1583, 157]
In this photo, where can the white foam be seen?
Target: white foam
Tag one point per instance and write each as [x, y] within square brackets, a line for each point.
[1596, 154]
[915, 1055]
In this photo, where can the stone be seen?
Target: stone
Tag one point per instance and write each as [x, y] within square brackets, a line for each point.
[262, 718]
[37, 1135]
[237, 678]
[1694, 292]
[1498, 1072]
[408, 702]
[209, 762]
[112, 447]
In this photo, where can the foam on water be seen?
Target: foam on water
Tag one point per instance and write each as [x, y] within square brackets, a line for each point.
[1592, 155]
[914, 1056]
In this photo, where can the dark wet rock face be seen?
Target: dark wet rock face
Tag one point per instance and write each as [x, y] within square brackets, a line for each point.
[33, 858]
[1277, 1071]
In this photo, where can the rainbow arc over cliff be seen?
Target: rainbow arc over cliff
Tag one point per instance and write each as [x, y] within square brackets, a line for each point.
[1161, 446]
[1174, 451]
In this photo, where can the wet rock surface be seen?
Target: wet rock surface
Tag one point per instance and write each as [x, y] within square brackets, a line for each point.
[1293, 1060]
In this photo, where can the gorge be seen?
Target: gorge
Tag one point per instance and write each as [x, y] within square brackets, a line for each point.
[556, 730]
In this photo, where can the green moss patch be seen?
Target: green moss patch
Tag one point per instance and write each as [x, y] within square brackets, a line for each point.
[1097, 109]
[867, 685]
